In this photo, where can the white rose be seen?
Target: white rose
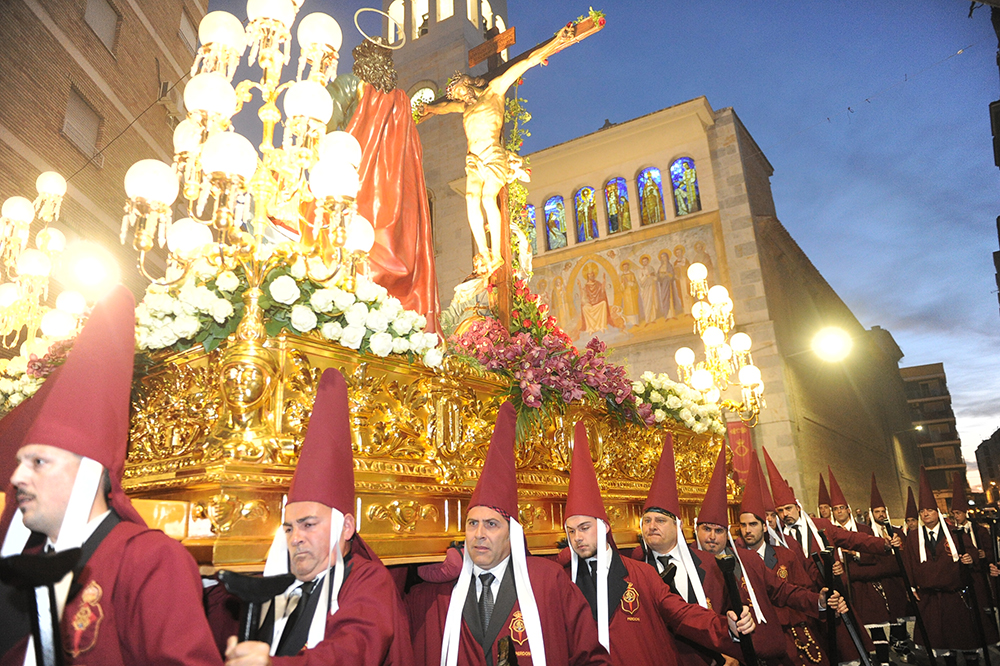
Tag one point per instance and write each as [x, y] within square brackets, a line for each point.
[430, 340]
[142, 316]
[380, 344]
[221, 310]
[647, 376]
[365, 289]
[15, 399]
[655, 397]
[227, 282]
[433, 357]
[159, 303]
[284, 290]
[186, 326]
[303, 318]
[163, 337]
[659, 415]
[699, 427]
[400, 345]
[352, 336]
[686, 416]
[401, 324]
[342, 299]
[18, 365]
[322, 300]
[142, 337]
[298, 268]
[417, 342]
[204, 268]
[32, 389]
[420, 322]
[377, 321]
[638, 388]
[6, 386]
[331, 330]
[356, 315]
[657, 383]
[392, 308]
[205, 299]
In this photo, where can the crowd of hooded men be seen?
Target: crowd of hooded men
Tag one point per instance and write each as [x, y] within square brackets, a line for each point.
[83, 580]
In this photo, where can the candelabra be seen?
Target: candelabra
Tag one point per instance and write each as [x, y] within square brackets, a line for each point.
[256, 210]
[713, 320]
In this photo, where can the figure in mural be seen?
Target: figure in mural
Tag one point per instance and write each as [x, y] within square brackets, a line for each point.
[681, 265]
[487, 164]
[555, 223]
[532, 228]
[624, 216]
[647, 290]
[595, 310]
[611, 204]
[666, 282]
[543, 295]
[630, 294]
[586, 215]
[701, 256]
[559, 303]
[650, 199]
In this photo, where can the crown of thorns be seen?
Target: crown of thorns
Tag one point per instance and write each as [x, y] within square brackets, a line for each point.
[457, 79]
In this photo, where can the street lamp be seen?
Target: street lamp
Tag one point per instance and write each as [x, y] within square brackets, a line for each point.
[832, 344]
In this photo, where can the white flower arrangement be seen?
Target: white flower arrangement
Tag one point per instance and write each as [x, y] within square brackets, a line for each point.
[208, 305]
[16, 384]
[680, 402]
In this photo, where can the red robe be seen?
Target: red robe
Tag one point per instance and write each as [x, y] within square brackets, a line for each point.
[938, 581]
[568, 628]
[879, 596]
[838, 537]
[393, 197]
[139, 601]
[370, 627]
[643, 616]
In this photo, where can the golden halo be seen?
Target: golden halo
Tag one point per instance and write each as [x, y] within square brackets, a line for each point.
[378, 40]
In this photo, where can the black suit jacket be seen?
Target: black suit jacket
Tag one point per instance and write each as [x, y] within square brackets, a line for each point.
[502, 606]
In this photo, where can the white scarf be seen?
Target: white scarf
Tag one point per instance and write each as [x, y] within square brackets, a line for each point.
[969, 529]
[694, 581]
[947, 535]
[525, 599]
[878, 528]
[810, 529]
[277, 564]
[603, 560]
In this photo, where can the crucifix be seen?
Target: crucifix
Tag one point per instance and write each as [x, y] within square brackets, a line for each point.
[488, 165]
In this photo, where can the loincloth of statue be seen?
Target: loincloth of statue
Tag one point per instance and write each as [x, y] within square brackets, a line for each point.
[492, 163]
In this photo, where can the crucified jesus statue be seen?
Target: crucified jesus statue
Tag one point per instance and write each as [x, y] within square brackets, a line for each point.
[488, 165]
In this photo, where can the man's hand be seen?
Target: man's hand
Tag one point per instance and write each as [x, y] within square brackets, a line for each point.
[742, 626]
[729, 661]
[247, 653]
[896, 541]
[994, 571]
[965, 559]
[982, 554]
[838, 568]
[837, 603]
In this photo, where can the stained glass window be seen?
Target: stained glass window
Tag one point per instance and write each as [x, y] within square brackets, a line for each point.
[684, 179]
[586, 214]
[555, 222]
[650, 196]
[532, 228]
[616, 204]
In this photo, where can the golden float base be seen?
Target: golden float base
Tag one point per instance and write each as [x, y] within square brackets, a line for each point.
[215, 438]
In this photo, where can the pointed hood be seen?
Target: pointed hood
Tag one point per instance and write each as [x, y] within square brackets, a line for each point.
[876, 499]
[824, 496]
[86, 408]
[958, 498]
[325, 470]
[765, 493]
[836, 494]
[781, 492]
[584, 497]
[753, 495]
[497, 486]
[926, 496]
[663, 490]
[715, 508]
[911, 504]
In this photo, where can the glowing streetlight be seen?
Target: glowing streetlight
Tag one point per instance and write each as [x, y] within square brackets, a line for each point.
[832, 344]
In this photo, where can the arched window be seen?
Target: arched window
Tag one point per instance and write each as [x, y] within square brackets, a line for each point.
[500, 26]
[650, 196]
[421, 17]
[586, 214]
[485, 15]
[616, 205]
[532, 228]
[684, 180]
[398, 13]
[446, 9]
[555, 222]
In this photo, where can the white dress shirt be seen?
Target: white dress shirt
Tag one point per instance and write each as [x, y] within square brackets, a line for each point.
[498, 573]
[681, 583]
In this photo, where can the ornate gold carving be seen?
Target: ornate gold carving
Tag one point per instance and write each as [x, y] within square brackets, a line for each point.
[419, 437]
[224, 510]
[528, 513]
[403, 515]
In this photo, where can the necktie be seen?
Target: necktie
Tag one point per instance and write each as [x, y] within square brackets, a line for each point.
[931, 541]
[486, 598]
[296, 613]
[798, 534]
[593, 570]
[667, 570]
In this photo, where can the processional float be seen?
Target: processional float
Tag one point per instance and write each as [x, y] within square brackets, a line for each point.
[268, 282]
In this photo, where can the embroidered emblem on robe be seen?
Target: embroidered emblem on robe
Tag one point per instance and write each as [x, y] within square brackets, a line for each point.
[630, 600]
[86, 614]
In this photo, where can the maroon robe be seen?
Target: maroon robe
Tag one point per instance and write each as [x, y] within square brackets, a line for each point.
[393, 197]
[983, 582]
[878, 594]
[568, 628]
[804, 641]
[838, 537]
[138, 601]
[644, 612]
[938, 581]
[370, 627]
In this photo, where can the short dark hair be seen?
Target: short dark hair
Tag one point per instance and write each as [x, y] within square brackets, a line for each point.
[106, 484]
[656, 509]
